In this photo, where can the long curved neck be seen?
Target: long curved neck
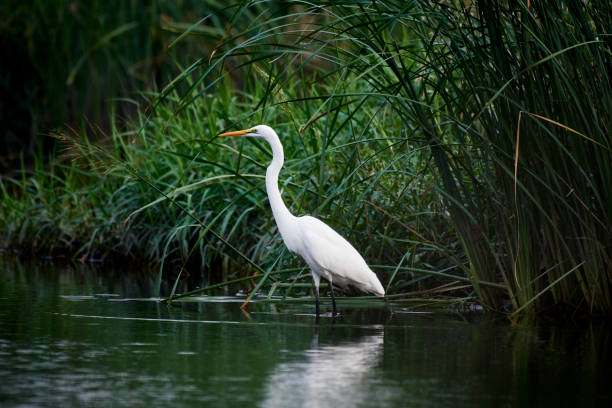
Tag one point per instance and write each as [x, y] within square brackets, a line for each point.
[282, 216]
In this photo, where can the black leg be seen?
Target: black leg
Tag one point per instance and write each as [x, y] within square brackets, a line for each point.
[331, 287]
[317, 304]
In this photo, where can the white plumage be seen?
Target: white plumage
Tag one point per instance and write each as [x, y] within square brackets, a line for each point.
[328, 254]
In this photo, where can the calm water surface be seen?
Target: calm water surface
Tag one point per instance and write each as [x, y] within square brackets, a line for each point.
[80, 337]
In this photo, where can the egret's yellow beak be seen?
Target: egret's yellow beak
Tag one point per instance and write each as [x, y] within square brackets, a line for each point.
[238, 132]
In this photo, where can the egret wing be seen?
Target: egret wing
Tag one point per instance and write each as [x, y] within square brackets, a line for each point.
[328, 253]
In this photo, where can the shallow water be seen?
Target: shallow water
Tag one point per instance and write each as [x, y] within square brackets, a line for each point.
[80, 337]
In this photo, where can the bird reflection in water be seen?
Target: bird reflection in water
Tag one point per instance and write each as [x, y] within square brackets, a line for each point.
[329, 375]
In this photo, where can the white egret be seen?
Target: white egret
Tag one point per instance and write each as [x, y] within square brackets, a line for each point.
[328, 254]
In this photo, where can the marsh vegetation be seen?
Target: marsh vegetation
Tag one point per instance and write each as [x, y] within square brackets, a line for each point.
[463, 147]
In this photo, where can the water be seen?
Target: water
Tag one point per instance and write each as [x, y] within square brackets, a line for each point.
[78, 337]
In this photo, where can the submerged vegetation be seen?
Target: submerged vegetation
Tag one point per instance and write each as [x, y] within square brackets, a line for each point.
[463, 147]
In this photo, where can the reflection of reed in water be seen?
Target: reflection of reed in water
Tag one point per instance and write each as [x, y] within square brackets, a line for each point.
[328, 376]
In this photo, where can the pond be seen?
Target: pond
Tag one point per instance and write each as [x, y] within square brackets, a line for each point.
[76, 336]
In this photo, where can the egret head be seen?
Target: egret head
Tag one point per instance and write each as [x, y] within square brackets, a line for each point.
[261, 132]
[266, 133]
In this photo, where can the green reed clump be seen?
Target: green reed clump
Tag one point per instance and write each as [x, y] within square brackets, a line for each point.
[544, 222]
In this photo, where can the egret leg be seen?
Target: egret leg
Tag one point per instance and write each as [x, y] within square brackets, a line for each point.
[317, 279]
[317, 304]
[331, 287]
